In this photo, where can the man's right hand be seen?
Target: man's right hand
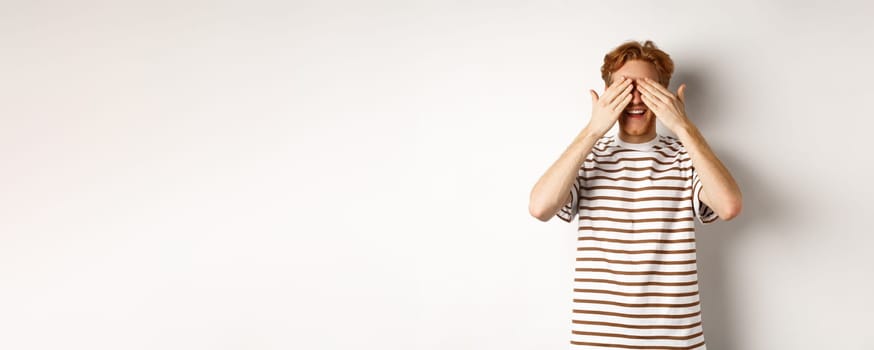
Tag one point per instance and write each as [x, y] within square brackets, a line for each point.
[607, 109]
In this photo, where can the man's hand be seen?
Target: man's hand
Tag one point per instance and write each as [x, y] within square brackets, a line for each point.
[720, 191]
[607, 109]
[668, 107]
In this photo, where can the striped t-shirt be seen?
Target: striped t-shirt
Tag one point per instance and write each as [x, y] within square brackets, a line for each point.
[635, 277]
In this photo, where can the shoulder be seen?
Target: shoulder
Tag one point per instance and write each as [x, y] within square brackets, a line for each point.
[672, 149]
[604, 141]
[670, 140]
[670, 146]
[603, 146]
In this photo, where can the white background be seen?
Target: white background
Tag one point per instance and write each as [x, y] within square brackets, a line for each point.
[355, 175]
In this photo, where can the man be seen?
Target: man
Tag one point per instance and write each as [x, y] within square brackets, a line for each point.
[636, 195]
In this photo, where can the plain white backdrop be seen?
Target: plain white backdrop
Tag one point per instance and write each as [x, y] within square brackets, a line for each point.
[355, 174]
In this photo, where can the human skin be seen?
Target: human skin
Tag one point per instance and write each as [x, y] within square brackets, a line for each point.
[720, 191]
[552, 190]
[640, 91]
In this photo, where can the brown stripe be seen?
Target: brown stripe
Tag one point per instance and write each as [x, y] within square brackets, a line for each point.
[601, 280]
[601, 239]
[647, 347]
[659, 161]
[626, 178]
[593, 301]
[602, 291]
[688, 218]
[669, 144]
[632, 189]
[639, 262]
[637, 326]
[668, 148]
[638, 169]
[614, 152]
[618, 335]
[658, 150]
[603, 145]
[610, 229]
[619, 314]
[635, 210]
[616, 272]
[623, 199]
[687, 251]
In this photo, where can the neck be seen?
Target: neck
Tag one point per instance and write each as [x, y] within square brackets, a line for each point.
[637, 138]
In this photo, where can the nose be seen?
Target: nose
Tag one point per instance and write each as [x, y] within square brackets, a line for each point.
[635, 95]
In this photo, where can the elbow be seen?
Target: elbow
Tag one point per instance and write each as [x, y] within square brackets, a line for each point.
[732, 210]
[538, 212]
[538, 209]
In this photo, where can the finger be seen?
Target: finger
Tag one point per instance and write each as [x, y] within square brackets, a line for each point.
[610, 91]
[594, 96]
[620, 94]
[648, 90]
[614, 90]
[658, 89]
[626, 95]
[620, 103]
[652, 105]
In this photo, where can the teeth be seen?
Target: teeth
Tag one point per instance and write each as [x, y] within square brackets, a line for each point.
[636, 112]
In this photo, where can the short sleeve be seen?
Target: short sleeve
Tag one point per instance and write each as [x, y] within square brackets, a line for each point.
[702, 211]
[571, 208]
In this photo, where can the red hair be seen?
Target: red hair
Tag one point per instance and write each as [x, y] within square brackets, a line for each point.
[633, 50]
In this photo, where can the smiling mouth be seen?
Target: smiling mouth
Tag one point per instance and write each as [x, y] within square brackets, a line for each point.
[635, 112]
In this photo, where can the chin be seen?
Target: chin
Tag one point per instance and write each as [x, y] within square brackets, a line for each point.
[638, 129]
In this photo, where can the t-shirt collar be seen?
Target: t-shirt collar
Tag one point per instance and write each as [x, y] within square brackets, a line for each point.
[637, 146]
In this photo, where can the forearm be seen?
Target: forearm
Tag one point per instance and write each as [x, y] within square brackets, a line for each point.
[551, 190]
[720, 191]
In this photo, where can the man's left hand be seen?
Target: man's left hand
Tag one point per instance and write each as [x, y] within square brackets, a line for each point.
[668, 107]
